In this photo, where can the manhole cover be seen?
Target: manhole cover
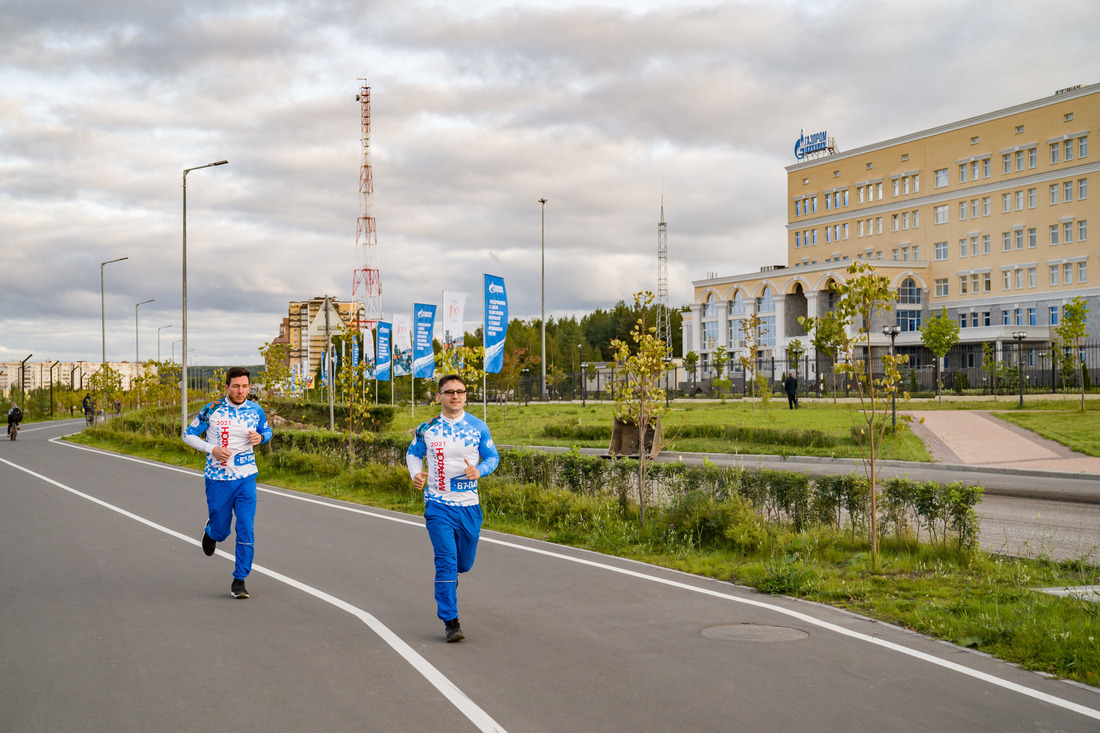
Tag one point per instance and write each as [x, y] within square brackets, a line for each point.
[753, 632]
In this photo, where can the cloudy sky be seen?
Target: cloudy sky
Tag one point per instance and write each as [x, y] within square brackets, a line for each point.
[478, 110]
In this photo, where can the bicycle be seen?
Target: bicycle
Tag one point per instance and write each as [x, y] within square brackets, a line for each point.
[89, 417]
[13, 431]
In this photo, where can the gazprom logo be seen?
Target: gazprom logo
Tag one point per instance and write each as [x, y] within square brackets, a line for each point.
[810, 143]
[496, 288]
[424, 314]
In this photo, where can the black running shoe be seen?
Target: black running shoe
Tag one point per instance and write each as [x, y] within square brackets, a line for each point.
[237, 590]
[208, 544]
[454, 631]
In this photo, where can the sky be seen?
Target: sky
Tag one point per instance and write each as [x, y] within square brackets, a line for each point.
[478, 109]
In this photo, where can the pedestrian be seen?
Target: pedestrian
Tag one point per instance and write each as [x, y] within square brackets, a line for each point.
[459, 451]
[791, 387]
[233, 426]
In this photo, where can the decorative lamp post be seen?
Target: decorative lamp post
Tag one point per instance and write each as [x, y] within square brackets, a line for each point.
[542, 389]
[892, 332]
[159, 329]
[1019, 336]
[137, 347]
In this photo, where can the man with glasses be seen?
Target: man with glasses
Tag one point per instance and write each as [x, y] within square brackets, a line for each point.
[459, 451]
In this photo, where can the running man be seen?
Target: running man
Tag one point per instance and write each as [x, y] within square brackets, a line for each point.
[233, 425]
[459, 450]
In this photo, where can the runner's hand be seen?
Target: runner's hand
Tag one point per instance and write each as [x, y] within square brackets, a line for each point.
[471, 471]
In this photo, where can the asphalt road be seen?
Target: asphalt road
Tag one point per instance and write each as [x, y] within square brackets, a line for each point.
[111, 618]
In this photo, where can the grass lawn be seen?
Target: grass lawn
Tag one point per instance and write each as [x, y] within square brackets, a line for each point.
[1073, 429]
[524, 425]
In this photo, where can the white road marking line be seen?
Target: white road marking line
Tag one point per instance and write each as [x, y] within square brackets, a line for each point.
[923, 656]
[437, 679]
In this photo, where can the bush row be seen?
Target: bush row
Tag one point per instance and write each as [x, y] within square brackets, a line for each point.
[377, 418]
[907, 508]
[742, 433]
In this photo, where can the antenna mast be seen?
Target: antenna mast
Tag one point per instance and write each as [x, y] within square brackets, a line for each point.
[366, 283]
[664, 322]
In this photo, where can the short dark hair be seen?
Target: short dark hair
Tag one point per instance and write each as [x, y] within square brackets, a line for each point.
[450, 378]
[235, 372]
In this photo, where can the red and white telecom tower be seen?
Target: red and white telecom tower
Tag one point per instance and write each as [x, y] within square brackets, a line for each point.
[366, 283]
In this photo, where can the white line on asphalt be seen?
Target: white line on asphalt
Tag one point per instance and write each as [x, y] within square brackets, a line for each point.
[436, 678]
[931, 659]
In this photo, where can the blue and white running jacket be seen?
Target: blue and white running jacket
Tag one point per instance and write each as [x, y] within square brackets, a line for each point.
[447, 445]
[227, 425]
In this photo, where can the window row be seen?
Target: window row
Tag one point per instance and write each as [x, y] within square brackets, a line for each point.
[1066, 270]
[901, 221]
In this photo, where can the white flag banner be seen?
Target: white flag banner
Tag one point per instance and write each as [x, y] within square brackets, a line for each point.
[454, 306]
[402, 345]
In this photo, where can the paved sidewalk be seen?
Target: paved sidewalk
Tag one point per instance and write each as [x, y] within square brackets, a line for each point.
[979, 439]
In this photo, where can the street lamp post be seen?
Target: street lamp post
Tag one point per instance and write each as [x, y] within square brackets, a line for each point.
[892, 332]
[183, 359]
[1019, 336]
[51, 385]
[137, 342]
[159, 329]
[103, 307]
[177, 341]
[526, 387]
[542, 390]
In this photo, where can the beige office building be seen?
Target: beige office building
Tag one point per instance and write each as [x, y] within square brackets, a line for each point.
[987, 217]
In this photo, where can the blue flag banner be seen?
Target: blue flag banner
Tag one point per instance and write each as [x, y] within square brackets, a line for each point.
[423, 349]
[496, 323]
[382, 368]
[354, 353]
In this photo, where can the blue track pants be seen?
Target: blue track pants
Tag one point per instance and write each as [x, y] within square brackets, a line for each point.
[454, 531]
[223, 500]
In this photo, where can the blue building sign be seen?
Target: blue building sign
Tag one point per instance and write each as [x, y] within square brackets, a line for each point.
[810, 143]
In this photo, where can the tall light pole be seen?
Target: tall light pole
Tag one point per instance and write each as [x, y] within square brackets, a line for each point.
[542, 391]
[183, 359]
[1020, 336]
[159, 329]
[892, 332]
[177, 341]
[137, 342]
[103, 307]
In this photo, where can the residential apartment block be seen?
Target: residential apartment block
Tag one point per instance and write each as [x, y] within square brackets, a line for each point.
[987, 218]
[304, 329]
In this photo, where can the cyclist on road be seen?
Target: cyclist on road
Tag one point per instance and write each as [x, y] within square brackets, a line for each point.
[89, 408]
[15, 416]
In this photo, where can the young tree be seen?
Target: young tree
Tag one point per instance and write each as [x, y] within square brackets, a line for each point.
[638, 394]
[276, 367]
[830, 337]
[1072, 330]
[752, 327]
[990, 367]
[691, 361]
[795, 350]
[721, 360]
[863, 295]
[939, 334]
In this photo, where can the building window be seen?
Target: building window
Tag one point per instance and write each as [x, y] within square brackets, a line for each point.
[973, 320]
[985, 168]
[710, 307]
[878, 191]
[974, 208]
[987, 282]
[737, 305]
[1067, 151]
[962, 210]
[941, 288]
[962, 284]
[1054, 315]
[1067, 273]
[974, 170]
[985, 244]
[916, 253]
[1032, 155]
[1031, 198]
[974, 283]
[1019, 279]
[878, 224]
[1054, 148]
[1031, 238]
[1005, 319]
[1054, 234]
[1053, 193]
[985, 206]
[1006, 163]
[909, 293]
[710, 335]
[1082, 188]
[765, 303]
[1067, 232]
[941, 214]
[1083, 146]
[941, 178]
[1019, 238]
[962, 247]
[962, 172]
[859, 228]
[797, 239]
[1006, 280]
[736, 334]
[985, 318]
[1067, 191]
[1019, 313]
[962, 320]
[1019, 160]
[908, 320]
[1031, 279]
[1006, 203]
[916, 219]
[1082, 271]
[1082, 230]
[940, 250]
[1053, 274]
[1031, 320]
[1006, 241]
[973, 246]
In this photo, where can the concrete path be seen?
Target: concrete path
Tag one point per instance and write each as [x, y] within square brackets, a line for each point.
[980, 439]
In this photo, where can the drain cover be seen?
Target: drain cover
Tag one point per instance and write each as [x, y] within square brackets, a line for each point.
[753, 632]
